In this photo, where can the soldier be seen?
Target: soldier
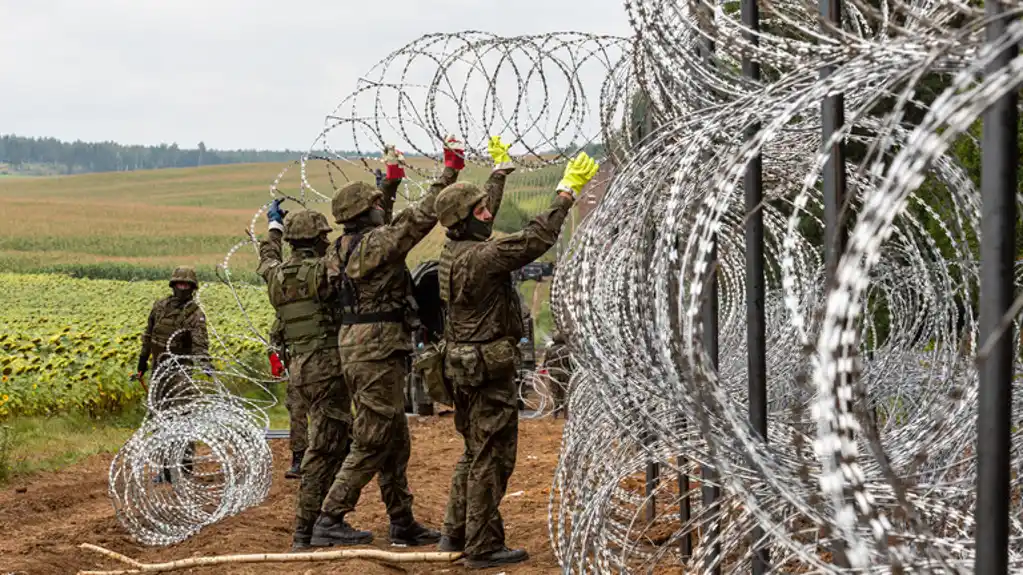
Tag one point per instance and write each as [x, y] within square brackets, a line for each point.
[558, 363]
[176, 327]
[304, 299]
[368, 264]
[298, 409]
[484, 324]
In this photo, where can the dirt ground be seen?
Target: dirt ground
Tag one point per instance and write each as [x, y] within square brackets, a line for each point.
[41, 527]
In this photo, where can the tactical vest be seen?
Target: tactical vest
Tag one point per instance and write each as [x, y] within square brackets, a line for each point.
[351, 314]
[453, 249]
[170, 321]
[308, 322]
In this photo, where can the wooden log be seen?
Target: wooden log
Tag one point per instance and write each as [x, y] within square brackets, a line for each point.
[377, 554]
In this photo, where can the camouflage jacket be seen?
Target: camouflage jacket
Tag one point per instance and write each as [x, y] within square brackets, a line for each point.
[270, 266]
[476, 281]
[383, 288]
[182, 326]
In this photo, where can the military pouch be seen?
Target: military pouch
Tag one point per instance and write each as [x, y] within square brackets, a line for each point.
[500, 358]
[430, 367]
[464, 365]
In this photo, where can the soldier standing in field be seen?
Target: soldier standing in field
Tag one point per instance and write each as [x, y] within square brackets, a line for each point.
[482, 330]
[367, 263]
[304, 300]
[176, 329]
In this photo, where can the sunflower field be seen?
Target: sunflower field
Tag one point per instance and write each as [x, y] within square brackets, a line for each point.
[70, 345]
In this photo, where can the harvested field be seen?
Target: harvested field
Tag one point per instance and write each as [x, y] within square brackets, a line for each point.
[58, 511]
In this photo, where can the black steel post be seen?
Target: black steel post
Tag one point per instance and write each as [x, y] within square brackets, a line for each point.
[756, 347]
[709, 486]
[1000, 158]
[833, 117]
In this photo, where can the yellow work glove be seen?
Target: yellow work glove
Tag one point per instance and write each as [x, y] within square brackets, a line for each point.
[578, 172]
[499, 153]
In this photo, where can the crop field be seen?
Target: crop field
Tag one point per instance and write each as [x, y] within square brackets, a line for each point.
[142, 224]
[70, 343]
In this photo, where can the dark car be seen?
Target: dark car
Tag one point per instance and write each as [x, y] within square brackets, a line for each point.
[531, 271]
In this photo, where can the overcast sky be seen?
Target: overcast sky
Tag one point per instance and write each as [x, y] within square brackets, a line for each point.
[231, 73]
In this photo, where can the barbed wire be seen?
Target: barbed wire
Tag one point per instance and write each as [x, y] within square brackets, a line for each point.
[872, 398]
[872, 388]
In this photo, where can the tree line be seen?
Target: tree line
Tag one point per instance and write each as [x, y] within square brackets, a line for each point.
[50, 155]
[22, 155]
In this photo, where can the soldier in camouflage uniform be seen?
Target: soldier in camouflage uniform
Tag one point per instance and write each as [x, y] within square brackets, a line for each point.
[304, 299]
[557, 360]
[176, 327]
[368, 266]
[298, 409]
[482, 328]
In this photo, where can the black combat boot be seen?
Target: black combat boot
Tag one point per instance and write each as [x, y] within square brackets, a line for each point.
[332, 530]
[407, 532]
[296, 465]
[188, 461]
[450, 544]
[503, 556]
[303, 537]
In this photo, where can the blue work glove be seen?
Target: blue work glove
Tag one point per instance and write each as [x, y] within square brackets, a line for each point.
[379, 176]
[275, 215]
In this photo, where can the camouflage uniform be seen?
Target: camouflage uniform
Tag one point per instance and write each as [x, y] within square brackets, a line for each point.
[368, 263]
[558, 363]
[303, 297]
[298, 409]
[482, 331]
[176, 327]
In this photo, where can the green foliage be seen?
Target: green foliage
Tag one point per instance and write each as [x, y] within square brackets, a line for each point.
[72, 350]
[510, 218]
[130, 272]
[6, 453]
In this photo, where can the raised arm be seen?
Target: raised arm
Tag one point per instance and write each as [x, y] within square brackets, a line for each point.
[394, 241]
[502, 167]
[390, 181]
[511, 252]
[507, 254]
[271, 250]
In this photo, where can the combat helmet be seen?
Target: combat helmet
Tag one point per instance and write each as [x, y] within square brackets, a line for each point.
[352, 200]
[455, 202]
[305, 225]
[184, 274]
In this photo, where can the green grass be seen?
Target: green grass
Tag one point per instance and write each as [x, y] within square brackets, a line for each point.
[48, 443]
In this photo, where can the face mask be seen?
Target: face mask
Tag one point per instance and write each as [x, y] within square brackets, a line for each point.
[478, 229]
[321, 246]
[376, 217]
[182, 294]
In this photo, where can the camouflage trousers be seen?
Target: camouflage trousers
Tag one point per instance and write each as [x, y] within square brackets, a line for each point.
[487, 418]
[380, 438]
[317, 380]
[298, 412]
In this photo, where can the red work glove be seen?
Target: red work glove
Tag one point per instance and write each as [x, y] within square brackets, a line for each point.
[393, 158]
[454, 153]
[276, 367]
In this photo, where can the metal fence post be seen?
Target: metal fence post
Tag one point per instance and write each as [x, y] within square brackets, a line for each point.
[756, 350]
[1000, 157]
